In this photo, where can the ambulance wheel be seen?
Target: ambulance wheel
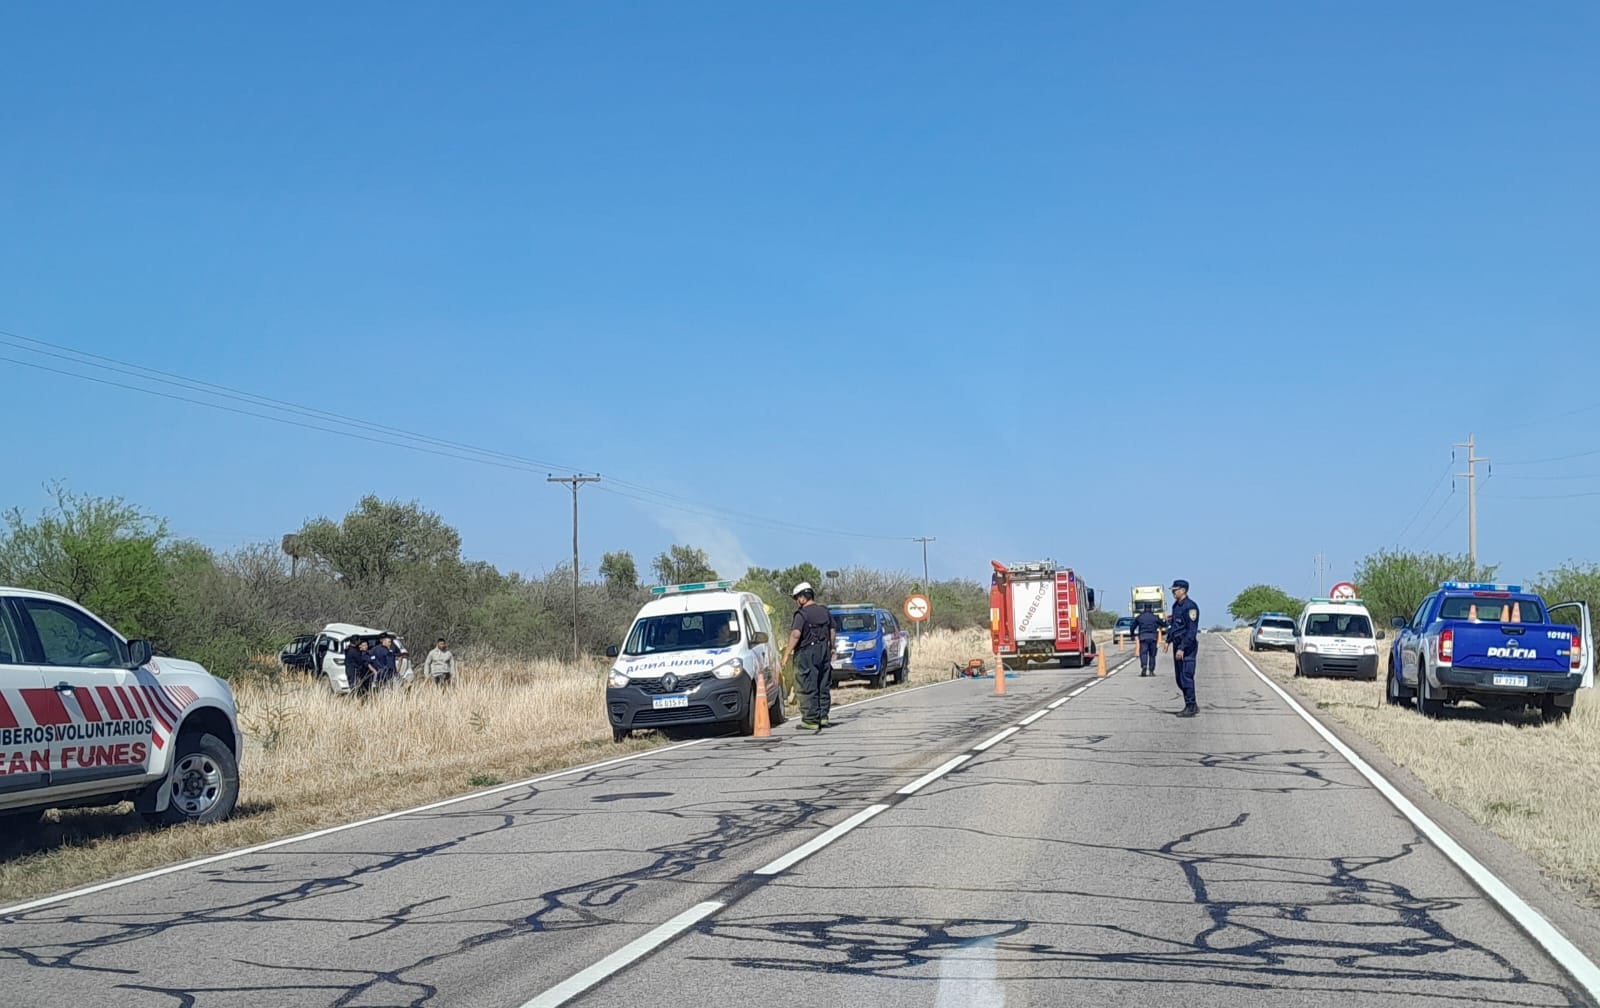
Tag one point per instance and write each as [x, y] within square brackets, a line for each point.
[619, 734]
[203, 784]
[775, 712]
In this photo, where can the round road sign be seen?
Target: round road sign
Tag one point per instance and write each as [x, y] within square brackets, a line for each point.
[917, 608]
[1343, 590]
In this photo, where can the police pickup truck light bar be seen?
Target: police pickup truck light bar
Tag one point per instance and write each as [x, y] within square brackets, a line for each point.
[684, 589]
[1478, 586]
[853, 605]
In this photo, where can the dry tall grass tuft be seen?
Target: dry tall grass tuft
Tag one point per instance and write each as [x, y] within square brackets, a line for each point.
[1536, 785]
[313, 759]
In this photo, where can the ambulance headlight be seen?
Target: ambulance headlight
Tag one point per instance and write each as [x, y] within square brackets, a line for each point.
[729, 669]
[1311, 649]
[1371, 649]
[617, 679]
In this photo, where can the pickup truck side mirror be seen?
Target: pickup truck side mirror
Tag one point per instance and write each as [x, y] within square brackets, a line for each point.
[611, 651]
[1397, 622]
[139, 653]
[759, 637]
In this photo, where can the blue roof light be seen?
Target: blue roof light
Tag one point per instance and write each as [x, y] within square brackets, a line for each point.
[1479, 586]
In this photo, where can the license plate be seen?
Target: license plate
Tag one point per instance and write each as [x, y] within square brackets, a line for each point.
[669, 702]
[1511, 680]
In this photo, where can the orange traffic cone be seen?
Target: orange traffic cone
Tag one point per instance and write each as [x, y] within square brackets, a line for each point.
[1099, 663]
[999, 676]
[763, 719]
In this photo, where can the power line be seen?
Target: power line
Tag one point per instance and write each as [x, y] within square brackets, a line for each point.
[1545, 497]
[1421, 533]
[340, 425]
[1555, 458]
[1443, 475]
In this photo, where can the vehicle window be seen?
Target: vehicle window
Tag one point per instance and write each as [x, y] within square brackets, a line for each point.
[1278, 623]
[70, 637]
[683, 632]
[1491, 610]
[855, 622]
[1418, 618]
[1338, 625]
[890, 624]
[10, 640]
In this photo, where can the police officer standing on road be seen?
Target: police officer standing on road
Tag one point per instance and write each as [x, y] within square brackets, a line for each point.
[1147, 628]
[811, 645]
[1183, 634]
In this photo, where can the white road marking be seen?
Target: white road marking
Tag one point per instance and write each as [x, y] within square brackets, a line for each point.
[624, 957]
[1057, 703]
[810, 847]
[995, 739]
[329, 831]
[1075, 692]
[1566, 954]
[1036, 715]
[933, 775]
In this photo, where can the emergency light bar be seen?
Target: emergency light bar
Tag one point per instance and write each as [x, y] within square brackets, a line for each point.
[1479, 586]
[853, 605]
[684, 589]
[1335, 601]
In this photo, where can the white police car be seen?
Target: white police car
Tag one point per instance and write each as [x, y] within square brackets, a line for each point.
[1335, 637]
[691, 658]
[89, 718]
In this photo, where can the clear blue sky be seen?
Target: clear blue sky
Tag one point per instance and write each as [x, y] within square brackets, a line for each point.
[1159, 289]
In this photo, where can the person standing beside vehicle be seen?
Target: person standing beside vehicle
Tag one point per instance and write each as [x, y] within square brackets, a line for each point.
[810, 645]
[1147, 629]
[383, 665]
[355, 666]
[440, 665]
[1183, 634]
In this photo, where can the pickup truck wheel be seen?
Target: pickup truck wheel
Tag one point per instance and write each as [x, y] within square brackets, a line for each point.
[1550, 711]
[1392, 690]
[203, 784]
[878, 678]
[1428, 705]
[905, 668]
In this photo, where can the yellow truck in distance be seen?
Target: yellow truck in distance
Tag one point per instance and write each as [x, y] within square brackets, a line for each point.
[1151, 597]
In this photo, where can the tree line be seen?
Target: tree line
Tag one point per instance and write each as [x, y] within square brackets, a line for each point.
[392, 565]
[1394, 583]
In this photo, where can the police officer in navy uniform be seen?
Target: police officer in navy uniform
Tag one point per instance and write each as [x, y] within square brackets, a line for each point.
[1147, 629]
[1183, 635]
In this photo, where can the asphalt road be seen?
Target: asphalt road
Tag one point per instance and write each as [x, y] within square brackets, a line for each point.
[1104, 853]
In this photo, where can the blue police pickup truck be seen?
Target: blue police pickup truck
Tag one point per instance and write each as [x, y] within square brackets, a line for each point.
[1494, 644]
[869, 644]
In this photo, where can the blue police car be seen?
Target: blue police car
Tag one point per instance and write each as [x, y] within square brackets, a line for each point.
[869, 644]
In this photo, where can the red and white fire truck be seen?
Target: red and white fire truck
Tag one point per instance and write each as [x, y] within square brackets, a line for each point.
[1039, 612]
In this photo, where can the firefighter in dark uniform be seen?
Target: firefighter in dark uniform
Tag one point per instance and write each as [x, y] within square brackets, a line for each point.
[811, 646]
[1147, 628]
[1183, 636]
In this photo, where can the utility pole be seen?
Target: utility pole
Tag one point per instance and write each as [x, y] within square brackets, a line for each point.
[1471, 476]
[576, 480]
[924, 540]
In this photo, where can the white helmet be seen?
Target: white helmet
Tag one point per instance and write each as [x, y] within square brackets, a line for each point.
[801, 588]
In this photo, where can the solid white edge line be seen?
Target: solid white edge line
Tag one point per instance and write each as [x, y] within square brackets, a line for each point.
[1036, 715]
[933, 775]
[1057, 703]
[1567, 955]
[624, 957]
[995, 740]
[810, 847]
[268, 845]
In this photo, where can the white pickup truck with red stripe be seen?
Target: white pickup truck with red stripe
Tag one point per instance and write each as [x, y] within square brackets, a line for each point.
[88, 718]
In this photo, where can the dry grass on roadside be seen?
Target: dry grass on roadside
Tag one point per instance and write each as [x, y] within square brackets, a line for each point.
[1536, 785]
[313, 759]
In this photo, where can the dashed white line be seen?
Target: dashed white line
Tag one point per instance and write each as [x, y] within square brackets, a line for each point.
[624, 957]
[1057, 703]
[1075, 692]
[996, 739]
[1569, 956]
[933, 775]
[1036, 715]
[810, 847]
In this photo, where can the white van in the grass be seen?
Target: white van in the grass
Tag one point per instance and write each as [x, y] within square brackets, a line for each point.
[691, 659]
